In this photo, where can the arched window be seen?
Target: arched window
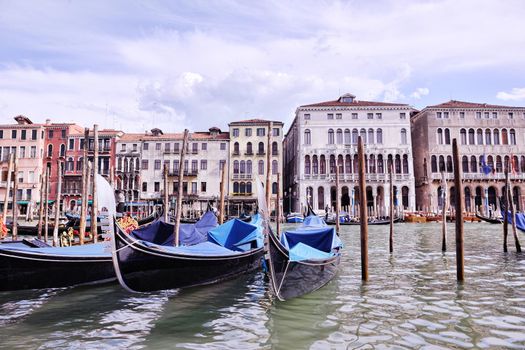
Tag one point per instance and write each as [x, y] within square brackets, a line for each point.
[307, 165]
[447, 136]
[243, 167]
[488, 137]
[320, 198]
[249, 149]
[260, 167]
[363, 135]
[449, 164]
[236, 148]
[332, 164]
[404, 136]
[479, 133]
[315, 165]
[471, 137]
[275, 167]
[275, 188]
[347, 137]
[370, 136]
[512, 137]
[440, 136]
[380, 165]
[249, 167]
[330, 136]
[275, 149]
[119, 163]
[522, 164]
[496, 136]
[62, 150]
[348, 164]
[515, 164]
[249, 188]
[398, 164]
[504, 137]
[372, 164]
[236, 167]
[356, 164]
[235, 187]
[339, 136]
[260, 149]
[433, 164]
[70, 164]
[307, 137]
[80, 163]
[464, 164]
[50, 150]
[322, 164]
[379, 136]
[355, 134]
[405, 164]
[441, 164]
[490, 161]
[473, 164]
[463, 136]
[499, 164]
[242, 188]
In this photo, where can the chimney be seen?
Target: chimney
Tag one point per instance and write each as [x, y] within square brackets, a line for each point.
[48, 121]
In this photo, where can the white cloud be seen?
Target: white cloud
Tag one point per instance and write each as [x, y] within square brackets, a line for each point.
[514, 95]
[420, 92]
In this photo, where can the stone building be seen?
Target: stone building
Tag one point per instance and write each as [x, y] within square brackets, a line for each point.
[249, 145]
[207, 153]
[26, 140]
[489, 136]
[327, 132]
[127, 170]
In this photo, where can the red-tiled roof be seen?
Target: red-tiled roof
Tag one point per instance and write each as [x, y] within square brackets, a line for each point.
[198, 135]
[255, 121]
[355, 103]
[463, 104]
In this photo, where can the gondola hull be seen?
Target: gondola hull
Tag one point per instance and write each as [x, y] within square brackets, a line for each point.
[374, 222]
[489, 220]
[32, 270]
[141, 268]
[291, 279]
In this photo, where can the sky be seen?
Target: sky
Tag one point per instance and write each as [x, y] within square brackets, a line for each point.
[135, 65]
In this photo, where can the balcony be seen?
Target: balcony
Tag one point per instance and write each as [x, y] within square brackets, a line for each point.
[248, 153]
[478, 176]
[275, 153]
[236, 153]
[261, 153]
[355, 177]
[194, 151]
[242, 176]
[242, 194]
[192, 172]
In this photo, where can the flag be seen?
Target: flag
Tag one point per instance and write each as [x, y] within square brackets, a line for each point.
[485, 168]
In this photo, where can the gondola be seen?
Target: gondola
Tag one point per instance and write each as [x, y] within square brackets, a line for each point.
[302, 260]
[370, 222]
[146, 260]
[489, 220]
[294, 218]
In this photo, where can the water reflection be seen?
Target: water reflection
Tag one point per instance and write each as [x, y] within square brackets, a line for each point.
[412, 300]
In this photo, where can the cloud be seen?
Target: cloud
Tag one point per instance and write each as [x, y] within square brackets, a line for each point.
[419, 92]
[514, 95]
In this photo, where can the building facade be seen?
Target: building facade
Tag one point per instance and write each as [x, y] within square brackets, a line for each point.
[206, 154]
[249, 147]
[326, 133]
[488, 136]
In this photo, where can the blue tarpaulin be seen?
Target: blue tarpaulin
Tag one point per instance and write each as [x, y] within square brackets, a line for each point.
[302, 251]
[313, 220]
[91, 250]
[235, 235]
[200, 249]
[520, 219]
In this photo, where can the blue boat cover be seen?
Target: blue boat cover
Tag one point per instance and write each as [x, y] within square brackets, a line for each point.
[302, 252]
[236, 235]
[161, 233]
[200, 249]
[87, 250]
[520, 219]
[313, 220]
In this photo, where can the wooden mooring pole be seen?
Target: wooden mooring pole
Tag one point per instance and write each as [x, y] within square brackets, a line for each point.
[221, 199]
[269, 170]
[337, 199]
[41, 205]
[363, 217]
[94, 200]
[444, 189]
[180, 194]
[15, 197]
[7, 187]
[85, 192]
[460, 260]
[506, 215]
[166, 195]
[57, 204]
[278, 206]
[513, 216]
[391, 214]
[46, 205]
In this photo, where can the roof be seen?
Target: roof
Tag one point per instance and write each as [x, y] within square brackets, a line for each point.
[197, 135]
[463, 104]
[356, 103]
[255, 121]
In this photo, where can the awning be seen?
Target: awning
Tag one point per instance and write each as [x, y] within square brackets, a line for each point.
[22, 202]
[79, 201]
[48, 202]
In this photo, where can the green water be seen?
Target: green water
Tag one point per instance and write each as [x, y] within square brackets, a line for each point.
[411, 301]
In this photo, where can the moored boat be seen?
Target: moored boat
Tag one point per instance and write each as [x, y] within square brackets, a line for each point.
[294, 218]
[493, 220]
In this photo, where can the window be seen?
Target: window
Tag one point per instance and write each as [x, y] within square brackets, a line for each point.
[144, 164]
[236, 148]
[338, 116]
[275, 149]
[274, 188]
[402, 115]
[478, 115]
[330, 136]
[176, 166]
[488, 137]
[123, 147]
[249, 167]
[462, 115]
[307, 137]
[275, 132]
[487, 115]
[144, 186]
[50, 150]
[22, 152]
[307, 165]
[176, 147]
[50, 134]
[145, 146]
[222, 163]
[439, 115]
[479, 134]
[204, 146]
[370, 115]
[157, 146]
[440, 136]
[330, 116]
[13, 134]
[166, 165]
[275, 167]
[194, 166]
[1, 134]
[203, 186]
[404, 136]
[471, 137]
[156, 186]
[223, 146]
[235, 132]
[63, 133]
[261, 131]
[194, 148]
[512, 137]
[260, 167]
[135, 147]
[362, 133]
[260, 149]
[157, 164]
[33, 152]
[355, 116]
[496, 137]
[433, 164]
[347, 136]
[463, 136]
[355, 134]
[167, 147]
[339, 136]
[307, 116]
[379, 136]
[495, 115]
[71, 144]
[23, 134]
[249, 149]
[511, 115]
[379, 116]
[62, 150]
[248, 132]
[33, 134]
[445, 115]
[447, 136]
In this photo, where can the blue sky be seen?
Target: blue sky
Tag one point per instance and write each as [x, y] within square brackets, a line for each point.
[135, 65]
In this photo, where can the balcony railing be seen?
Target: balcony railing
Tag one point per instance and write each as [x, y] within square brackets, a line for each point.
[355, 177]
[478, 176]
[242, 176]
[235, 153]
[275, 153]
[192, 172]
[248, 153]
[244, 194]
[261, 153]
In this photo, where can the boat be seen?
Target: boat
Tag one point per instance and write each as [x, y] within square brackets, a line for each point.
[370, 222]
[294, 218]
[302, 260]
[147, 260]
[490, 220]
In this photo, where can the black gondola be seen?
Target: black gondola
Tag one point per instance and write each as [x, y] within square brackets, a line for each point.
[370, 222]
[303, 260]
[146, 259]
[489, 220]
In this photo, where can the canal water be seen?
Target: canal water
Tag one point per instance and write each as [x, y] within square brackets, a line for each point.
[411, 301]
